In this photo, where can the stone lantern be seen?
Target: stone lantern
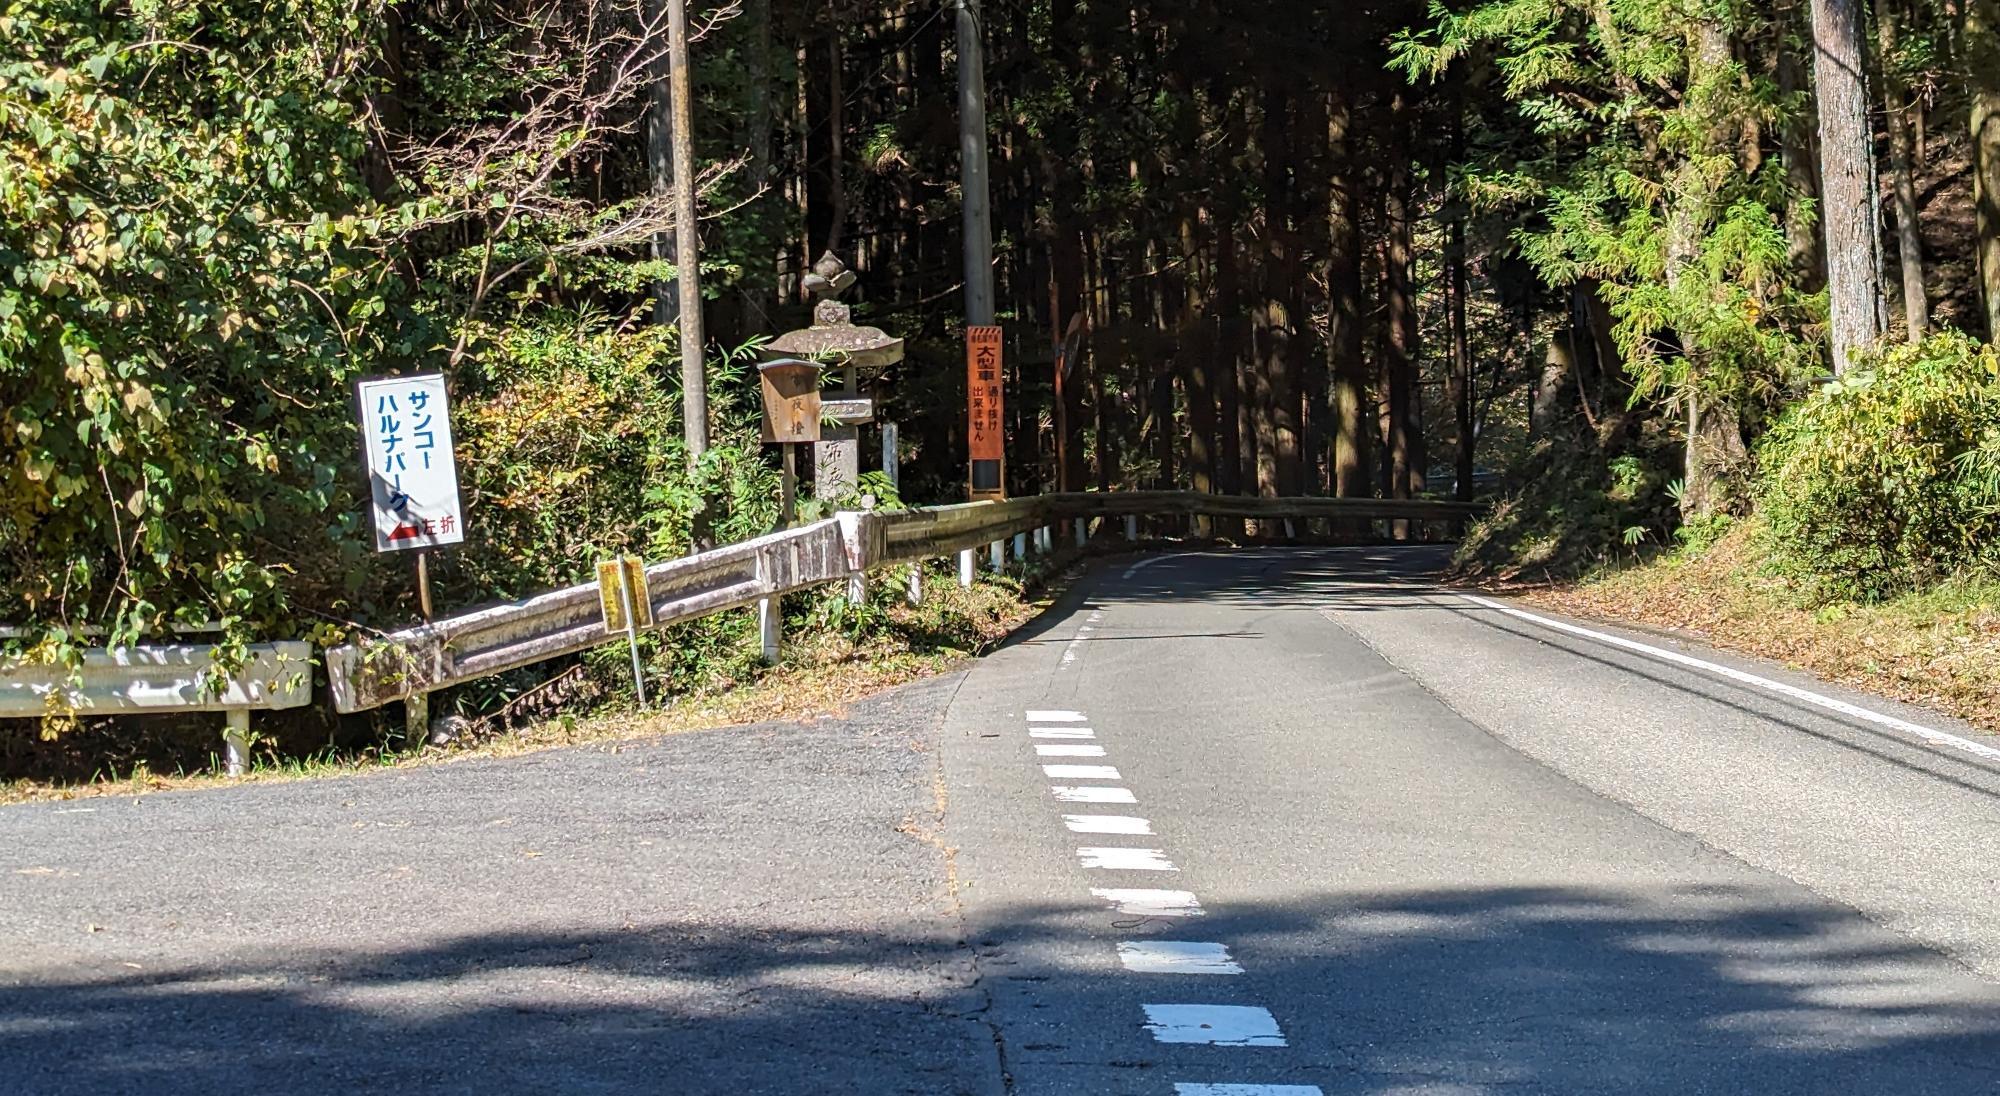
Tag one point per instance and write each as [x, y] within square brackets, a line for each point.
[844, 349]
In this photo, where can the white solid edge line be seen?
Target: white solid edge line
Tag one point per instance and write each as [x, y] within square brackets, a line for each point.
[1928, 734]
[1186, 1089]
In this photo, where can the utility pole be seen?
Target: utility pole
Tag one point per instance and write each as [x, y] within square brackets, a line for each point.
[972, 167]
[687, 236]
[660, 167]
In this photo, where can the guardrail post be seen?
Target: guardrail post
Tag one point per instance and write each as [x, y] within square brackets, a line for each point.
[1082, 531]
[416, 720]
[968, 563]
[770, 628]
[916, 584]
[236, 741]
[999, 556]
[1132, 527]
[1021, 548]
[1291, 533]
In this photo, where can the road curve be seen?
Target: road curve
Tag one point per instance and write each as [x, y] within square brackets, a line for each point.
[1294, 821]
[1256, 823]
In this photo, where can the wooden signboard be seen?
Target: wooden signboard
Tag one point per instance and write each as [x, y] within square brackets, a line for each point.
[984, 403]
[791, 401]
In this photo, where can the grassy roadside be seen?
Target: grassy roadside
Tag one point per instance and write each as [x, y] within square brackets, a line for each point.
[1939, 648]
[819, 674]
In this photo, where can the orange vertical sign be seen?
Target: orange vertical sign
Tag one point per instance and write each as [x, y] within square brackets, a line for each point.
[983, 406]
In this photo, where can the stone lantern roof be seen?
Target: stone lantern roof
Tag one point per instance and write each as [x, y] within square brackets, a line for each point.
[833, 339]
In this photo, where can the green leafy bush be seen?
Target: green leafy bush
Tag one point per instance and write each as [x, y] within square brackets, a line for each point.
[179, 317]
[571, 452]
[1884, 480]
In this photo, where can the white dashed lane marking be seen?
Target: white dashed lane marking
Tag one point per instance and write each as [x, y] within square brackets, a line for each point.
[1207, 1025]
[1081, 772]
[1125, 859]
[1069, 751]
[1176, 957]
[1087, 794]
[1214, 1025]
[1150, 903]
[1069, 652]
[1107, 823]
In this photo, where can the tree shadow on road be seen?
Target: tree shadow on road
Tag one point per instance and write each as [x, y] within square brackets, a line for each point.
[1546, 989]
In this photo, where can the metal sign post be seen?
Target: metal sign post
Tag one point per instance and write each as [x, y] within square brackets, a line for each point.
[987, 471]
[627, 603]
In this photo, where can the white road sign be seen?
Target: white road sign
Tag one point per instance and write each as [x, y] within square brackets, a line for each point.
[406, 439]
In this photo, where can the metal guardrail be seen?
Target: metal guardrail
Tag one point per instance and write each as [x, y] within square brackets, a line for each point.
[159, 679]
[487, 641]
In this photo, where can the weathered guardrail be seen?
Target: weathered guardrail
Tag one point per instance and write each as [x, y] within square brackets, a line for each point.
[409, 664]
[152, 680]
[501, 637]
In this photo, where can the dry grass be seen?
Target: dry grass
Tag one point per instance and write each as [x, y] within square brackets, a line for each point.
[819, 675]
[1939, 649]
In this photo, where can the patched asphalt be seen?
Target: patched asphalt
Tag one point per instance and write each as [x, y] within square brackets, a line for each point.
[762, 910]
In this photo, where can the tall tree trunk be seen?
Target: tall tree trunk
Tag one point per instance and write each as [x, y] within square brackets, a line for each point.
[1346, 359]
[1800, 152]
[1400, 366]
[1270, 418]
[1466, 442]
[757, 294]
[1847, 180]
[1223, 358]
[1197, 368]
[1982, 50]
[1228, 337]
[1909, 233]
[1714, 442]
[822, 128]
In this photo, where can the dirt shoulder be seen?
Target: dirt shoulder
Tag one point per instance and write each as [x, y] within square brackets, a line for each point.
[1939, 649]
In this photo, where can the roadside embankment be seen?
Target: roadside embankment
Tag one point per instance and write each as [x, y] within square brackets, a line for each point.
[1938, 647]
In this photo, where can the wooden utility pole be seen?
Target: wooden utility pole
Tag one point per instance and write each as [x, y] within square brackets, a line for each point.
[978, 215]
[687, 236]
[1847, 180]
[660, 165]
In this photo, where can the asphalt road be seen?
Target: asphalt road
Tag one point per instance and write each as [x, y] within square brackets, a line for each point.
[1264, 823]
